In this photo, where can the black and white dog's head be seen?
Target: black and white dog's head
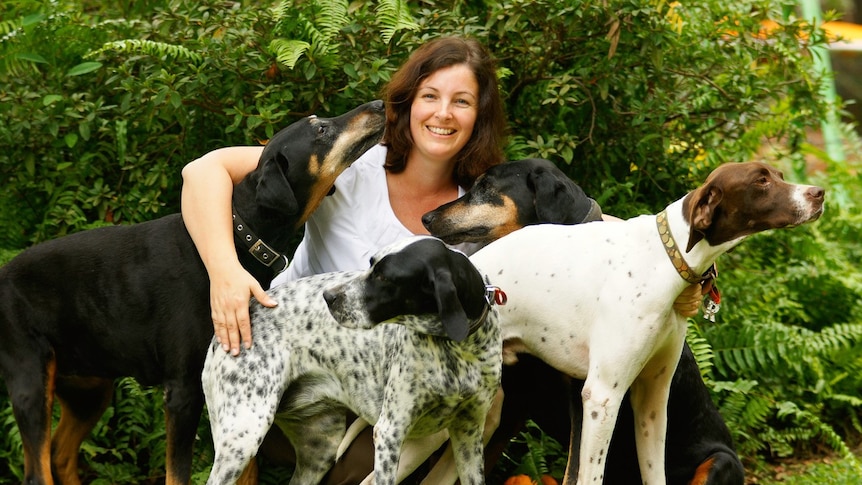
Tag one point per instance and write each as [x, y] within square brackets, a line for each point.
[508, 197]
[419, 283]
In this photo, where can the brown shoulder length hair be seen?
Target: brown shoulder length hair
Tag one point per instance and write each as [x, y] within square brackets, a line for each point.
[485, 147]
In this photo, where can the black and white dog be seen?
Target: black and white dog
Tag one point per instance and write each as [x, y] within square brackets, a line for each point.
[437, 368]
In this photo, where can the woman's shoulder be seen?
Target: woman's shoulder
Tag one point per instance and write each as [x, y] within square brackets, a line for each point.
[369, 166]
[371, 160]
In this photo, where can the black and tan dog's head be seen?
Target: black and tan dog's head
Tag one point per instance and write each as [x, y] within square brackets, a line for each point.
[508, 197]
[302, 161]
[409, 282]
[739, 199]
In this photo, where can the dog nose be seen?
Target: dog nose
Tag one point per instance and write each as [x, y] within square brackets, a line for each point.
[815, 193]
[329, 297]
[376, 105]
[428, 218]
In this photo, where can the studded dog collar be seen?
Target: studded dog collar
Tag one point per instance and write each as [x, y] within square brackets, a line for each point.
[675, 255]
[706, 280]
[264, 254]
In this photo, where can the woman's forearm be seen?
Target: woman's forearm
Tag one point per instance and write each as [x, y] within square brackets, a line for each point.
[206, 201]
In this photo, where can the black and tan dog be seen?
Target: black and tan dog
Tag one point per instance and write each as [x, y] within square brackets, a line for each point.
[526, 192]
[79, 311]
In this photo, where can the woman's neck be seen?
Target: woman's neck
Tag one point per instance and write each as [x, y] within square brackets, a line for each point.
[418, 190]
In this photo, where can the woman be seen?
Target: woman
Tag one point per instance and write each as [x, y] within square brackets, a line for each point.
[445, 126]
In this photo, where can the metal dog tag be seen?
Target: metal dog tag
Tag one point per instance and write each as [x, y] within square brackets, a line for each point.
[710, 309]
[712, 304]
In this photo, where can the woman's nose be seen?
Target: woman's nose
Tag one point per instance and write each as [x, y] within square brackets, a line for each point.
[443, 111]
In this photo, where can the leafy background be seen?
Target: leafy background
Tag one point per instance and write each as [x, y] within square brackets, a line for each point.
[103, 104]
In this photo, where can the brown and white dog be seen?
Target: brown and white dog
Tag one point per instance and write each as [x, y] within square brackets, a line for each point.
[596, 300]
[699, 447]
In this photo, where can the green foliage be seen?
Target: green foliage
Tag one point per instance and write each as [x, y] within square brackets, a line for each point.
[104, 103]
[532, 453]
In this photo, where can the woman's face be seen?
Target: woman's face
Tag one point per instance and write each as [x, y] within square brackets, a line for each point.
[443, 113]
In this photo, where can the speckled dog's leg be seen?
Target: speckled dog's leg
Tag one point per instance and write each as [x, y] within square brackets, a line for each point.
[239, 421]
[315, 452]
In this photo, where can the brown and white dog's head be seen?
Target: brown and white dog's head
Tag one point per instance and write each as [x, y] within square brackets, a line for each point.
[508, 197]
[739, 199]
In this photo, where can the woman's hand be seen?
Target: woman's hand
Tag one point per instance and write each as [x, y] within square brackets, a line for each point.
[688, 302]
[231, 287]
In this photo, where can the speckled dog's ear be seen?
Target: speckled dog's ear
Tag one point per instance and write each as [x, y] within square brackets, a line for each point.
[449, 307]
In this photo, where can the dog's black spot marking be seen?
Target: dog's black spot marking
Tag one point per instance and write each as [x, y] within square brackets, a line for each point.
[594, 415]
[616, 384]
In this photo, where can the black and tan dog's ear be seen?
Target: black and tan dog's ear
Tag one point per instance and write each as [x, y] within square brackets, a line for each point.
[273, 190]
[701, 206]
[558, 200]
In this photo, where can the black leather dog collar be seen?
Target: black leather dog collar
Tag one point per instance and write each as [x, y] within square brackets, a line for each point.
[256, 247]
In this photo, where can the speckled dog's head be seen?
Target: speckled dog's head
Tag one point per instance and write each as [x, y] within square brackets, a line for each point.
[407, 282]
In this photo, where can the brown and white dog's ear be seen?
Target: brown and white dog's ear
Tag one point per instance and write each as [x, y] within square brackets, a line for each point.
[701, 206]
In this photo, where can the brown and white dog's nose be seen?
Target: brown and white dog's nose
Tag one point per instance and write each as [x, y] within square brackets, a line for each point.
[815, 193]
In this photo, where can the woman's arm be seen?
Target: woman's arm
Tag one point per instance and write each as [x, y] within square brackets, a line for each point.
[206, 209]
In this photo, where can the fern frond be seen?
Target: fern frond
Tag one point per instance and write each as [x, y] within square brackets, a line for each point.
[282, 10]
[836, 337]
[332, 18]
[149, 47]
[394, 16]
[287, 51]
[810, 421]
[749, 349]
[310, 29]
[701, 349]
[7, 27]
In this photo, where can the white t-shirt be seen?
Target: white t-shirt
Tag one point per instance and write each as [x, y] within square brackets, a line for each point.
[352, 224]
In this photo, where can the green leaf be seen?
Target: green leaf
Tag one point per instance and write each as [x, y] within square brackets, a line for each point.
[83, 68]
[31, 56]
[71, 140]
[50, 99]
